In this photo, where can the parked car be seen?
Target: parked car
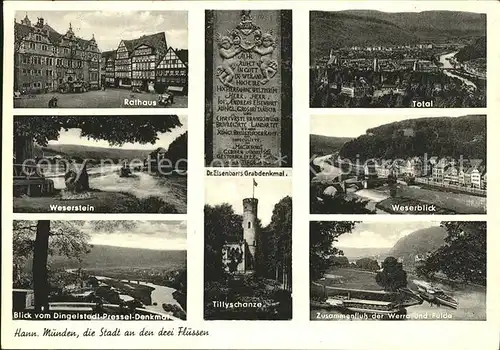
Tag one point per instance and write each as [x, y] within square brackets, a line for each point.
[165, 99]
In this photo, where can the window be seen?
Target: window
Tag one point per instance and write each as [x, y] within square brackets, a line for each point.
[32, 46]
[25, 59]
[44, 47]
[38, 38]
[49, 61]
[249, 224]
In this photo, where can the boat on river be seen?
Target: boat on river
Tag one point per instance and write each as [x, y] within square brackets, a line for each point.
[434, 295]
[126, 172]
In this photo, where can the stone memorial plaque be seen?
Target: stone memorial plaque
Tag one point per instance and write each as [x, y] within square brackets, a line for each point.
[246, 99]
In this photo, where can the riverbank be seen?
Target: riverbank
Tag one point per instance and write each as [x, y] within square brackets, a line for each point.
[471, 298]
[97, 201]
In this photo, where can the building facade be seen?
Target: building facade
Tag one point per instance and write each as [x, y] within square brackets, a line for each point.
[134, 63]
[172, 71]
[45, 60]
[108, 67]
[122, 74]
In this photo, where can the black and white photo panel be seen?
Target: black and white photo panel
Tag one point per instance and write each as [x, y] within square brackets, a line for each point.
[422, 270]
[118, 270]
[248, 88]
[100, 164]
[248, 248]
[379, 164]
[375, 59]
[100, 59]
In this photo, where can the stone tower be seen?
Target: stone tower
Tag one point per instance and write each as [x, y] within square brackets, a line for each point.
[250, 230]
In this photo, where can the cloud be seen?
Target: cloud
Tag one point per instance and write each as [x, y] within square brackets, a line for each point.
[156, 235]
[110, 27]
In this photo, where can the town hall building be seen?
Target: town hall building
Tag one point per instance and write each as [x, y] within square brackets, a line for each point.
[46, 61]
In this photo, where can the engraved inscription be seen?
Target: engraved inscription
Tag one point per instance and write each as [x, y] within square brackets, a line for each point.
[247, 88]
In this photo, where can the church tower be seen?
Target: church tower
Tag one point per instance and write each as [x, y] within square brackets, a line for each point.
[26, 21]
[250, 230]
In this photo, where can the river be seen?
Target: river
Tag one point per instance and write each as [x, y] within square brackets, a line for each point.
[444, 59]
[471, 300]
[330, 172]
[172, 189]
[160, 295]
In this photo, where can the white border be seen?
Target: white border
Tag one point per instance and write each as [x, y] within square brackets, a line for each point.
[300, 332]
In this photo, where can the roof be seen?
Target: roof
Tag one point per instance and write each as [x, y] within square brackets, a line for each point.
[108, 54]
[157, 41]
[443, 162]
[475, 162]
[183, 55]
[22, 30]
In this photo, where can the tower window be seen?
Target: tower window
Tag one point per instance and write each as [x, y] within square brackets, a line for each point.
[249, 224]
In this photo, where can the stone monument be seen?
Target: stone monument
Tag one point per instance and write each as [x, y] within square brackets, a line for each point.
[246, 95]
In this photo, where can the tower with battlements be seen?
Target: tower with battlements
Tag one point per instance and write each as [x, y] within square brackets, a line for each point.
[250, 231]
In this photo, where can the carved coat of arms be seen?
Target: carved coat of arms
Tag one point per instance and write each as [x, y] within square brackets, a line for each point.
[246, 37]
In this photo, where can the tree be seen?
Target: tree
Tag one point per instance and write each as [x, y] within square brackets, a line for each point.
[327, 204]
[392, 277]
[463, 256]
[322, 236]
[45, 238]
[367, 264]
[222, 225]
[116, 130]
[340, 261]
[280, 230]
[65, 238]
[235, 256]
[177, 151]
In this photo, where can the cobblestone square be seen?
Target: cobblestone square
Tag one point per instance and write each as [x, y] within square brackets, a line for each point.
[109, 98]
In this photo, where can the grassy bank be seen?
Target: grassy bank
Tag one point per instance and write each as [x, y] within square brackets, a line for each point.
[98, 202]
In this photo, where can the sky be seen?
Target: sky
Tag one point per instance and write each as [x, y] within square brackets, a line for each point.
[72, 137]
[380, 234]
[232, 190]
[109, 27]
[355, 125]
[156, 235]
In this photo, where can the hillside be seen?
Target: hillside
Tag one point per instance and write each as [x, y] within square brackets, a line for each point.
[323, 145]
[89, 152]
[470, 52]
[367, 27]
[354, 254]
[110, 256]
[443, 136]
[419, 242]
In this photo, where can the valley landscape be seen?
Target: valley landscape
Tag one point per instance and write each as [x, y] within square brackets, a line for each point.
[107, 279]
[357, 270]
[68, 168]
[368, 58]
[414, 166]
